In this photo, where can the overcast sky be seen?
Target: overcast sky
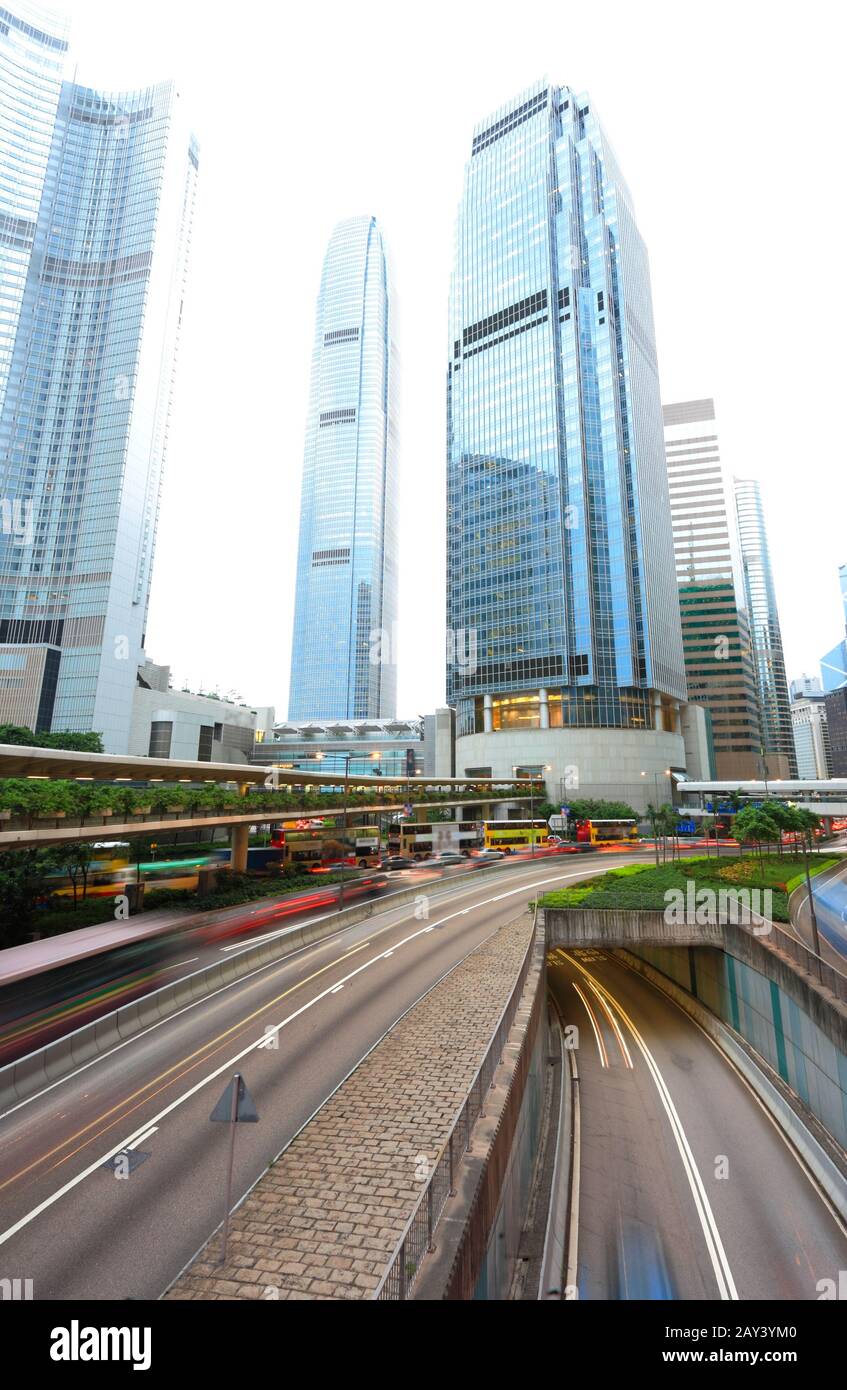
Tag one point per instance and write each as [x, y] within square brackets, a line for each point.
[727, 120]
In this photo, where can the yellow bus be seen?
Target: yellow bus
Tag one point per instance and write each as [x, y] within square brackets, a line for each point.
[509, 835]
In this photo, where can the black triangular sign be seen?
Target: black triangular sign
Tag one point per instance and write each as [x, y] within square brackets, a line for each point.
[245, 1110]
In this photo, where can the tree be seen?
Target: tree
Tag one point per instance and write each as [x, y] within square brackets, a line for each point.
[21, 885]
[654, 815]
[74, 860]
[755, 826]
[64, 739]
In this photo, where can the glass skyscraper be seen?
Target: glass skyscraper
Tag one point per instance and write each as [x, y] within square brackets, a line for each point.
[715, 630]
[562, 597]
[342, 664]
[96, 202]
[778, 755]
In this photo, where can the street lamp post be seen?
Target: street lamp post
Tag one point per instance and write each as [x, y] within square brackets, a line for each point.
[532, 812]
[347, 757]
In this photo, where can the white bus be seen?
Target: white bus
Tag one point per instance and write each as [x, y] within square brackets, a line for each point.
[422, 839]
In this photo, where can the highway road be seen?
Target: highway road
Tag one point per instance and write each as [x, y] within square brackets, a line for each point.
[679, 1166]
[829, 891]
[295, 1029]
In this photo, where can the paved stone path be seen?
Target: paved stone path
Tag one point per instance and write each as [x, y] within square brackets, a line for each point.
[325, 1219]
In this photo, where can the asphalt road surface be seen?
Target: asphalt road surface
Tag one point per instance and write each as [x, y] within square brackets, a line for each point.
[66, 1220]
[684, 1179]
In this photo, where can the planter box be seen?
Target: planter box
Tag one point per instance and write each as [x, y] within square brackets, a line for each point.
[141, 811]
[51, 815]
[5, 815]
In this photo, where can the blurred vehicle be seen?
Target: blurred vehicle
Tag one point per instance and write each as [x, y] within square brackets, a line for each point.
[319, 843]
[488, 856]
[54, 986]
[509, 835]
[606, 832]
[398, 861]
[641, 1266]
[449, 857]
[421, 839]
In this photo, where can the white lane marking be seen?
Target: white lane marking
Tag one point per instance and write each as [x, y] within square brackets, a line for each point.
[272, 936]
[336, 989]
[225, 1067]
[601, 1046]
[819, 1192]
[613, 1022]
[181, 963]
[714, 1244]
[144, 1137]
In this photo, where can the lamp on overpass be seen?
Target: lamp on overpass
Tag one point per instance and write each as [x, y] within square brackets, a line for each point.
[546, 768]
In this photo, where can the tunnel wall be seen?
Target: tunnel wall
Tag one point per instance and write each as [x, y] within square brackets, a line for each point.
[498, 1266]
[768, 1019]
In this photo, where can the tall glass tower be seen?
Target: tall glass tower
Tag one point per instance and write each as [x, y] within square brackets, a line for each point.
[342, 662]
[778, 753]
[96, 202]
[560, 548]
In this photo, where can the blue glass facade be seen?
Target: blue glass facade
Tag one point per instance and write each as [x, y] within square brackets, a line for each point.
[765, 635]
[96, 201]
[342, 664]
[560, 549]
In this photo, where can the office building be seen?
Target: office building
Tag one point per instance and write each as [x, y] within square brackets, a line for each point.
[836, 719]
[715, 632]
[778, 758]
[168, 723]
[343, 663]
[562, 605]
[805, 685]
[96, 203]
[811, 737]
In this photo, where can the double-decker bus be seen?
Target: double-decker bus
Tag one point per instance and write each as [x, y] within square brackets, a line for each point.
[509, 835]
[316, 846]
[606, 832]
[421, 839]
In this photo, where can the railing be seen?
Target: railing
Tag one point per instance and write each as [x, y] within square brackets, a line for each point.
[417, 1239]
[802, 955]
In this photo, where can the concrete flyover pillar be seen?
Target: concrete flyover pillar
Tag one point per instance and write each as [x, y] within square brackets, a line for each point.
[239, 841]
[488, 714]
[677, 717]
[544, 709]
[657, 711]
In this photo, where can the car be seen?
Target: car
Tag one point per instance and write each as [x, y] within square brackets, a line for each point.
[448, 857]
[642, 1265]
[489, 856]
[397, 861]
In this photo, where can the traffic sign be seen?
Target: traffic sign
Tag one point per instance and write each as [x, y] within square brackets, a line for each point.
[245, 1110]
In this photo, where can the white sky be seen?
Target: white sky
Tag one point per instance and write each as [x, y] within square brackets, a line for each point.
[727, 120]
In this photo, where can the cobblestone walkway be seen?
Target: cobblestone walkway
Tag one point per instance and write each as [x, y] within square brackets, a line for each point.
[324, 1220]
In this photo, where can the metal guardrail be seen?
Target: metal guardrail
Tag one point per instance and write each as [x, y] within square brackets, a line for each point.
[417, 1239]
[802, 955]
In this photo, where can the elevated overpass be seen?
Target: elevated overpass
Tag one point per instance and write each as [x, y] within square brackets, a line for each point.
[826, 798]
[36, 764]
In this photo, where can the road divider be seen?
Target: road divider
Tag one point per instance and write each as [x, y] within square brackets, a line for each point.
[26, 1077]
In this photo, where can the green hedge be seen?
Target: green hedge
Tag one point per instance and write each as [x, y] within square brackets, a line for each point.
[643, 888]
